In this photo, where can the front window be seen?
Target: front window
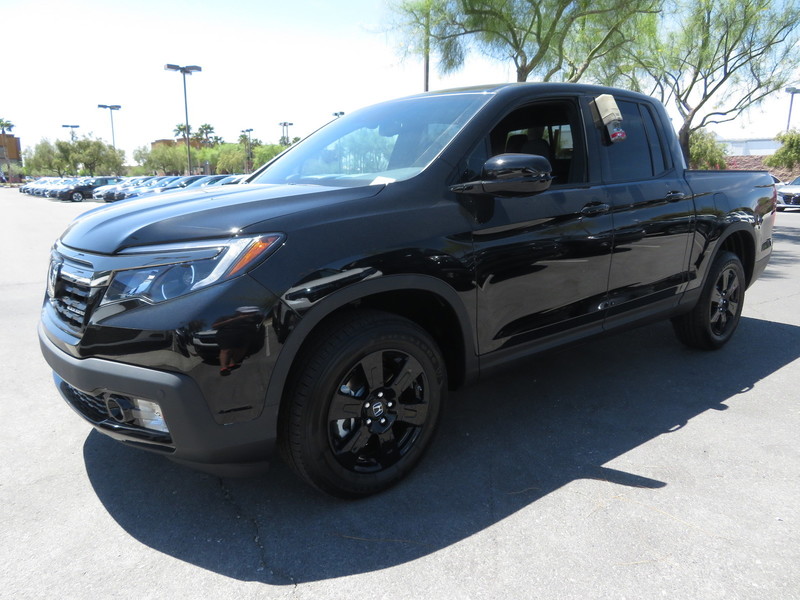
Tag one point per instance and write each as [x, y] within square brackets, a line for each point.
[379, 144]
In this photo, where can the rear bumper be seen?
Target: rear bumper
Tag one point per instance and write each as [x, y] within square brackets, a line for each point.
[194, 437]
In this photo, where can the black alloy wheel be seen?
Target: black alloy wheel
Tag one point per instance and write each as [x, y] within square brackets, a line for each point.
[715, 317]
[378, 411]
[364, 406]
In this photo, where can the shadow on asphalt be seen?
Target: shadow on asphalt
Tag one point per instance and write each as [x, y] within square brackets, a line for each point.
[504, 444]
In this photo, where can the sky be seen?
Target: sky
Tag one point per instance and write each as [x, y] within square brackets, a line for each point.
[263, 61]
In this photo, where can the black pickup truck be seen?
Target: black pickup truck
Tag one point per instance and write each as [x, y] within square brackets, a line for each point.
[326, 306]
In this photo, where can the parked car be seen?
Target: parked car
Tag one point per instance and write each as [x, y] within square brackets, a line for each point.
[232, 179]
[30, 185]
[76, 191]
[327, 306]
[40, 187]
[208, 180]
[108, 193]
[52, 190]
[175, 185]
[789, 195]
[150, 184]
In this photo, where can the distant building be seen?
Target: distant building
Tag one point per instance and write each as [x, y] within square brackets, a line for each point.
[759, 147]
[10, 148]
[749, 155]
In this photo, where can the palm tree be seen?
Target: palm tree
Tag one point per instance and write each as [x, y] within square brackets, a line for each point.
[6, 125]
[204, 132]
[180, 130]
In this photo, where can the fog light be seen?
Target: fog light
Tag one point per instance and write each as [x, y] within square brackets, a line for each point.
[147, 414]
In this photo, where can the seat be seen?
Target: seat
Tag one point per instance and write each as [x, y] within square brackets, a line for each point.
[515, 143]
[536, 146]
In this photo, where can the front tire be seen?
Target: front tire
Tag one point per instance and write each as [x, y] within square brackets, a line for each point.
[76, 197]
[363, 405]
[715, 317]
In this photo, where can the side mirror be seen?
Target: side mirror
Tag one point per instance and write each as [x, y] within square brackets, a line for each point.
[510, 175]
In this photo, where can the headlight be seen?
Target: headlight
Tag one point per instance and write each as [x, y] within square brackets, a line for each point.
[177, 269]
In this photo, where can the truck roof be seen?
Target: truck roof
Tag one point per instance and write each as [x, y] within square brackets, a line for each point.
[545, 88]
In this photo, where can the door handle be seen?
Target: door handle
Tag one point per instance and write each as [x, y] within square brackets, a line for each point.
[675, 196]
[595, 209]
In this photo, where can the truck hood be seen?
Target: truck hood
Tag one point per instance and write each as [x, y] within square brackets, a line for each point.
[195, 215]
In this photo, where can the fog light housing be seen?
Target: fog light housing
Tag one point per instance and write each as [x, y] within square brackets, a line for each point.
[147, 414]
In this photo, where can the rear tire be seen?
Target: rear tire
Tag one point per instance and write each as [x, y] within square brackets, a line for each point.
[76, 197]
[715, 317]
[363, 405]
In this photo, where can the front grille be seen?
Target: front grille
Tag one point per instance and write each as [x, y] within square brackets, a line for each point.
[790, 198]
[72, 296]
[71, 302]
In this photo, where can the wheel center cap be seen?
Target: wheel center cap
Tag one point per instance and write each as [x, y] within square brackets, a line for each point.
[377, 409]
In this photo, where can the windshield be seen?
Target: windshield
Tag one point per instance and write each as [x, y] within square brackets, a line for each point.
[378, 144]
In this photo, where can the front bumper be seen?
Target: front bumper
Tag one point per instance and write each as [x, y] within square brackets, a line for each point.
[194, 437]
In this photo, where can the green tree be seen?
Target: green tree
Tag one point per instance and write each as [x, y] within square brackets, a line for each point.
[264, 153]
[207, 156]
[42, 160]
[788, 155]
[67, 157]
[167, 159]
[552, 39]
[97, 157]
[231, 159]
[142, 155]
[707, 152]
[714, 59]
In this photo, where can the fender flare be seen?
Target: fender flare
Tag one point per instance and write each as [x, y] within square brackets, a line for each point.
[357, 291]
[748, 260]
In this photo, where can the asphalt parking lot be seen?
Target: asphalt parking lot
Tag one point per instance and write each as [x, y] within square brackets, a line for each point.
[629, 467]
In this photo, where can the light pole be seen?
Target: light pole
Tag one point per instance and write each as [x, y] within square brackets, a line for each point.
[338, 114]
[285, 132]
[188, 70]
[791, 91]
[248, 166]
[111, 108]
[72, 129]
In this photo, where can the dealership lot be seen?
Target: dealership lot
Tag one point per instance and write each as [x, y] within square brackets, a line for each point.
[629, 467]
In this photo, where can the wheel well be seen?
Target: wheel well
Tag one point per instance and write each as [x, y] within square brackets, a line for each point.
[742, 245]
[430, 312]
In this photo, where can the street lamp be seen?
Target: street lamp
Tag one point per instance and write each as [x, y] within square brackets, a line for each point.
[188, 70]
[111, 108]
[285, 132]
[791, 91]
[247, 167]
[338, 114]
[72, 129]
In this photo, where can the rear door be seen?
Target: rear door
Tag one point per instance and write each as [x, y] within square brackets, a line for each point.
[653, 214]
